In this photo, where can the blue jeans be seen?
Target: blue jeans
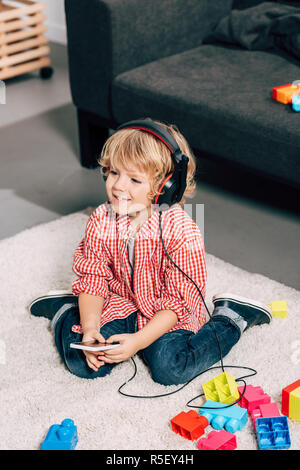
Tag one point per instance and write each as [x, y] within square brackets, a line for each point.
[174, 358]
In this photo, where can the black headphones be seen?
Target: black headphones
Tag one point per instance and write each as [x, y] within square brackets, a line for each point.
[174, 183]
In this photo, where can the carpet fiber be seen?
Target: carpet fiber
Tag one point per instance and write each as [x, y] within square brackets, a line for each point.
[37, 391]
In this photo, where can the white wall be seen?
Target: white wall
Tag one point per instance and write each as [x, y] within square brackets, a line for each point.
[55, 21]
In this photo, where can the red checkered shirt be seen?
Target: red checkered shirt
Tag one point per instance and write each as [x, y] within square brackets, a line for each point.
[102, 264]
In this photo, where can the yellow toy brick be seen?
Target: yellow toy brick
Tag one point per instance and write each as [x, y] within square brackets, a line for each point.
[222, 388]
[279, 308]
[294, 405]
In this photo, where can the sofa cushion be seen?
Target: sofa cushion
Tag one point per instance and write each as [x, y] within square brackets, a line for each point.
[221, 99]
[266, 26]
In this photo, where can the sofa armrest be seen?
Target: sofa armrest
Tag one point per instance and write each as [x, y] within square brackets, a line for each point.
[108, 37]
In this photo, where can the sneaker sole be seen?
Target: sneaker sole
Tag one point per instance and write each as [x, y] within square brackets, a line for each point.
[243, 301]
[51, 295]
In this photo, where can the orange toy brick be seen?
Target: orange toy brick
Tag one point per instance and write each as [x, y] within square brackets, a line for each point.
[290, 403]
[189, 425]
[284, 93]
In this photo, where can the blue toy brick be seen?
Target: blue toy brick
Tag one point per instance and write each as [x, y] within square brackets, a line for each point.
[61, 436]
[273, 433]
[296, 102]
[232, 418]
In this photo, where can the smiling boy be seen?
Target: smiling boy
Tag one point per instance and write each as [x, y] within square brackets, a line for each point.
[134, 289]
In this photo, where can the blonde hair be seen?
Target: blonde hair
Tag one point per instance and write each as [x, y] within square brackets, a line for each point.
[149, 155]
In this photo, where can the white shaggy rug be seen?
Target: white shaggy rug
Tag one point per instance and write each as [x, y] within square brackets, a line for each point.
[37, 391]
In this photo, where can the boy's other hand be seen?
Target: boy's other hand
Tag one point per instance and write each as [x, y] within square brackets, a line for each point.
[91, 357]
[129, 346]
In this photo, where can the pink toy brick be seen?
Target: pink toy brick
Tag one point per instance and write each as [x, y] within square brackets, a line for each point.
[218, 440]
[269, 410]
[253, 397]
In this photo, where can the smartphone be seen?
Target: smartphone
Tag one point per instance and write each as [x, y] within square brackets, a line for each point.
[94, 346]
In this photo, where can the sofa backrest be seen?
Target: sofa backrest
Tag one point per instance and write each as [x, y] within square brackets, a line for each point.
[157, 28]
[108, 37]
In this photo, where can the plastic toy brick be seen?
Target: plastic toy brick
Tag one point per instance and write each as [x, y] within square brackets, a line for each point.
[61, 436]
[268, 410]
[296, 102]
[218, 440]
[222, 388]
[273, 433]
[253, 397]
[294, 409]
[189, 424]
[232, 418]
[286, 397]
[284, 93]
[279, 308]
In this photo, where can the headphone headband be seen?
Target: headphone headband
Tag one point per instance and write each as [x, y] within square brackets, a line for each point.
[158, 131]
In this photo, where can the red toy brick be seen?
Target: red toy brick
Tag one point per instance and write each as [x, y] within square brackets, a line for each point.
[189, 424]
[253, 397]
[269, 410]
[218, 440]
[286, 397]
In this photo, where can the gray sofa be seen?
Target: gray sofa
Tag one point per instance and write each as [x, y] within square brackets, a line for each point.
[193, 63]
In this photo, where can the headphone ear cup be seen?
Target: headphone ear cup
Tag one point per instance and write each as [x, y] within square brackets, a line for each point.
[105, 171]
[169, 189]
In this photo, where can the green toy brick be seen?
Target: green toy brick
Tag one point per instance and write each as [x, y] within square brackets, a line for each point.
[222, 388]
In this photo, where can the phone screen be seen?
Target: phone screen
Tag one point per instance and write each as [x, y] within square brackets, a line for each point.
[94, 345]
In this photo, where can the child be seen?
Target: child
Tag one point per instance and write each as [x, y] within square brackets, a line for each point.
[128, 288]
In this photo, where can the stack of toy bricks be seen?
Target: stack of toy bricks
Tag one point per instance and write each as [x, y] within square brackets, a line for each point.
[22, 42]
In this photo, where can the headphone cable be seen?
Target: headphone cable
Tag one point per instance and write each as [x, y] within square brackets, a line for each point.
[212, 322]
[239, 379]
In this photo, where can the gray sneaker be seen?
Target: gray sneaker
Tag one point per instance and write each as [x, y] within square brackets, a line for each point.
[252, 312]
[48, 305]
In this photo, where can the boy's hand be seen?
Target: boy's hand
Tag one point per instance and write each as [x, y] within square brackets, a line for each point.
[129, 346]
[91, 357]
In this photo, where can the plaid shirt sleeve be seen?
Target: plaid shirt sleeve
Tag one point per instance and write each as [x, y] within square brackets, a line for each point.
[179, 294]
[90, 264]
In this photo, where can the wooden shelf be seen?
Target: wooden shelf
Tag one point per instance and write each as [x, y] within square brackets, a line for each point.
[23, 46]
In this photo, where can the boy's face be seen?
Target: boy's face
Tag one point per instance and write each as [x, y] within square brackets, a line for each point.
[128, 189]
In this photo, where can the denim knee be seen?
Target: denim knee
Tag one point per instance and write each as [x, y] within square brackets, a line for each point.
[89, 373]
[163, 374]
[167, 360]
[78, 366]
[76, 363]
